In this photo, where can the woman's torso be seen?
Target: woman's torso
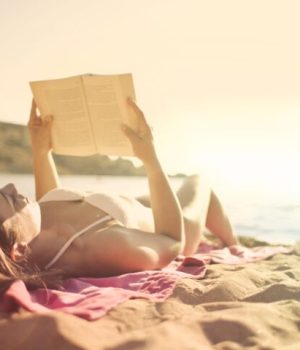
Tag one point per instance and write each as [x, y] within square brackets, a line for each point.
[92, 252]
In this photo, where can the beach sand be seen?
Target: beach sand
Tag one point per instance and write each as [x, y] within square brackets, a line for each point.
[251, 306]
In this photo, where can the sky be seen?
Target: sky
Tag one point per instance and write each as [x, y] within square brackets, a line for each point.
[218, 80]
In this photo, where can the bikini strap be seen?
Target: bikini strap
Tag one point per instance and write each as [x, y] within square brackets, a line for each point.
[71, 239]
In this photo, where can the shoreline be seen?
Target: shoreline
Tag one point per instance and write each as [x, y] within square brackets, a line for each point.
[268, 222]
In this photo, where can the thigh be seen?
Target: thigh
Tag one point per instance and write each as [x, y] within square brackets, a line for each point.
[195, 197]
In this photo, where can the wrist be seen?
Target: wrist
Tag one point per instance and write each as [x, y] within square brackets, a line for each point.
[152, 165]
[40, 152]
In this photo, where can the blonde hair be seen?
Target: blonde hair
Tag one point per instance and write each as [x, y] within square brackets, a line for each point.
[25, 269]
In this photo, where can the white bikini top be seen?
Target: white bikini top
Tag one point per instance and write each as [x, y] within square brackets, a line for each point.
[112, 205]
[109, 203]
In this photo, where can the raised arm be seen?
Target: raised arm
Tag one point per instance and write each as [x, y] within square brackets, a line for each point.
[44, 169]
[167, 214]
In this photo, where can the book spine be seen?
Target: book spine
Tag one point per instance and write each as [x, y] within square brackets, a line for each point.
[89, 116]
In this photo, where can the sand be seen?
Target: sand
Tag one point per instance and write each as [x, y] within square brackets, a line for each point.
[252, 306]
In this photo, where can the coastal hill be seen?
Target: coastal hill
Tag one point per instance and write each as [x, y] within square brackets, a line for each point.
[15, 157]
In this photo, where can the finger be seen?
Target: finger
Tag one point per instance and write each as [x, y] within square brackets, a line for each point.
[129, 133]
[135, 107]
[32, 111]
[33, 115]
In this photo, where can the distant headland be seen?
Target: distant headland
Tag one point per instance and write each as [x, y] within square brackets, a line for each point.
[15, 157]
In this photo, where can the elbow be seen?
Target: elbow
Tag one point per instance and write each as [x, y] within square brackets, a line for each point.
[169, 254]
[173, 248]
[176, 233]
[179, 244]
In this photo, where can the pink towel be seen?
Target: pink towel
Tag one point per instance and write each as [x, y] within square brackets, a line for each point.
[235, 254]
[91, 298]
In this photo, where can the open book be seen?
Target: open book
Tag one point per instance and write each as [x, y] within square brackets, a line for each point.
[87, 112]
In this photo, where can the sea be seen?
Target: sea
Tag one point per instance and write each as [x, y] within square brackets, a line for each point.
[272, 217]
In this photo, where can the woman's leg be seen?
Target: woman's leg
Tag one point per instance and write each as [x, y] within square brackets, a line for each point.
[218, 222]
[194, 197]
[201, 209]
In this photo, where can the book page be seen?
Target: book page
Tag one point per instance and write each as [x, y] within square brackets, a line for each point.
[106, 98]
[65, 101]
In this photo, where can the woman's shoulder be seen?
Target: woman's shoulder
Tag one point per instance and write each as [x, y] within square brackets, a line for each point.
[63, 194]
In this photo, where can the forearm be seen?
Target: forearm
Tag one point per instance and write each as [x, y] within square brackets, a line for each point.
[167, 213]
[45, 173]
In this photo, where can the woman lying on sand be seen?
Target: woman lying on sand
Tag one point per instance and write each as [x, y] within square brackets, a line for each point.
[94, 234]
